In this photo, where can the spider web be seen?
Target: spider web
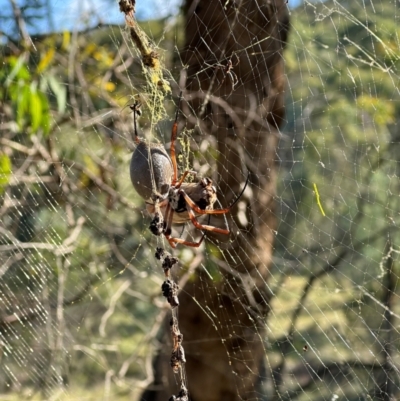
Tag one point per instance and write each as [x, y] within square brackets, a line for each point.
[300, 302]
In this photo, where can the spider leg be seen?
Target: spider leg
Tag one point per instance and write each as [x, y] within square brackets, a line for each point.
[187, 172]
[169, 214]
[174, 135]
[228, 70]
[190, 203]
[224, 216]
[205, 227]
[234, 79]
[172, 241]
[237, 60]
[241, 192]
[224, 69]
[213, 211]
[136, 112]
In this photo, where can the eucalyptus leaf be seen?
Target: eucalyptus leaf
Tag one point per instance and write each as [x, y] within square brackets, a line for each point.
[46, 116]
[22, 100]
[35, 110]
[59, 91]
[5, 171]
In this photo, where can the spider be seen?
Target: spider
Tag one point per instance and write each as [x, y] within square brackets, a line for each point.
[227, 70]
[154, 175]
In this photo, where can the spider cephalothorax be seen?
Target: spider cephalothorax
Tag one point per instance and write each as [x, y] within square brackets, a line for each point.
[203, 194]
[154, 174]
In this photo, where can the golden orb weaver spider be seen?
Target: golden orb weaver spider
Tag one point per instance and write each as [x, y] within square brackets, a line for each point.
[154, 175]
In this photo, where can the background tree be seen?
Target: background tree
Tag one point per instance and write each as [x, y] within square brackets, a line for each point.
[235, 90]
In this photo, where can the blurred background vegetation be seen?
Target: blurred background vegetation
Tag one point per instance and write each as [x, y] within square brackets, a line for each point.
[80, 299]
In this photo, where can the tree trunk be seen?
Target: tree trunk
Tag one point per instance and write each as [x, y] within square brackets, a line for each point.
[235, 92]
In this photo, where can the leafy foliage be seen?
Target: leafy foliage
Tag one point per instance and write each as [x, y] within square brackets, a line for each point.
[342, 108]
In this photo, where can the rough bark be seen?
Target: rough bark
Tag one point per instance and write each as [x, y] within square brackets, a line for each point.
[224, 328]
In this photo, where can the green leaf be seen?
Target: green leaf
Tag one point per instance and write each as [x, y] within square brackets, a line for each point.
[59, 91]
[46, 116]
[35, 109]
[5, 171]
[22, 100]
[19, 70]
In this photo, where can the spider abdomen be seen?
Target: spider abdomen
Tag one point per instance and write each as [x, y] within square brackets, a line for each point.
[151, 171]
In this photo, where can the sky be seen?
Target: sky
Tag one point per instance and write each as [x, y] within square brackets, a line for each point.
[70, 14]
[145, 9]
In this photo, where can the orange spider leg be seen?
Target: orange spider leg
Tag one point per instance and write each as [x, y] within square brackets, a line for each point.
[205, 227]
[172, 241]
[202, 211]
[184, 176]
[213, 211]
